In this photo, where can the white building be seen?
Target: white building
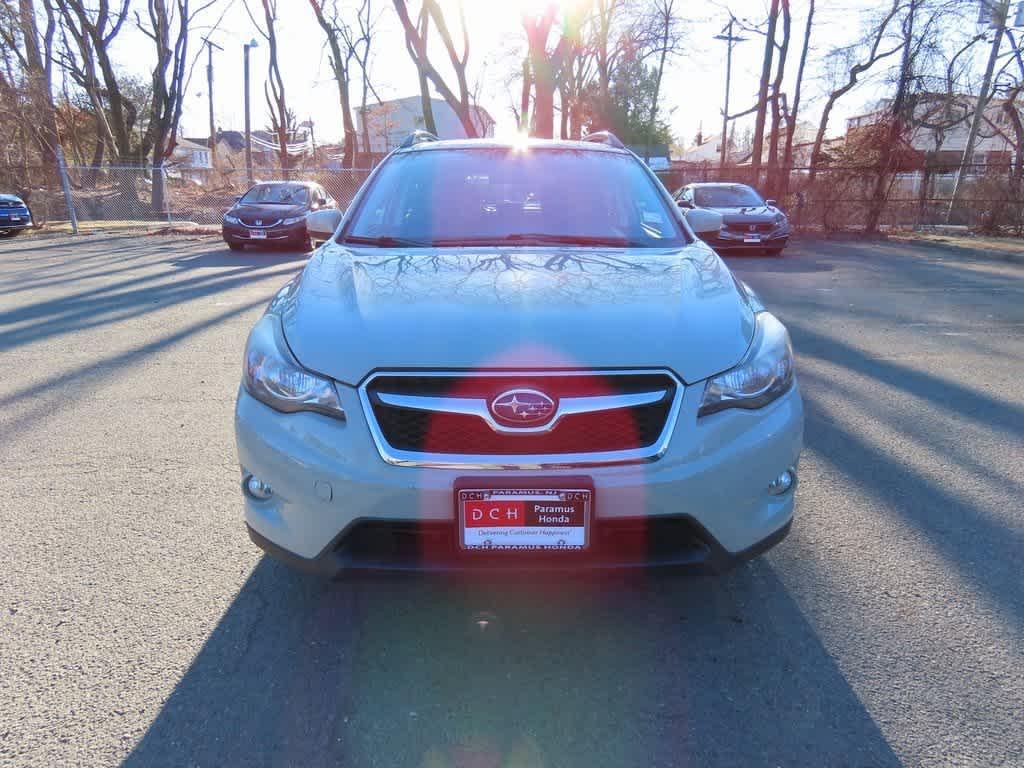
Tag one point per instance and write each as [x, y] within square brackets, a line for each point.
[191, 154]
[942, 125]
[390, 122]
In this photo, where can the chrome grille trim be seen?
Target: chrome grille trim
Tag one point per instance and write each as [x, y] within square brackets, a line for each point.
[471, 406]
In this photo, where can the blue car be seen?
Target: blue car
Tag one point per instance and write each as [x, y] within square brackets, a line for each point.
[14, 215]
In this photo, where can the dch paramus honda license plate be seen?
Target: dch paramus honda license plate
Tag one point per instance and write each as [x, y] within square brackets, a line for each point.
[524, 516]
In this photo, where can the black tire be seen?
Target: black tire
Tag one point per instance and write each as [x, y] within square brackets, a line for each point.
[9, 232]
[773, 251]
[305, 245]
[236, 246]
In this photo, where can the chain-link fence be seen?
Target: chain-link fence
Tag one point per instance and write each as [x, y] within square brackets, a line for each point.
[176, 196]
[991, 197]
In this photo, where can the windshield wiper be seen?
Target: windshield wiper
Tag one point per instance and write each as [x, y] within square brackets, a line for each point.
[544, 238]
[385, 241]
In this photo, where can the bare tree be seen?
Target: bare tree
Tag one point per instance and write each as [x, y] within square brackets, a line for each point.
[668, 36]
[168, 28]
[855, 68]
[762, 94]
[551, 68]
[340, 58]
[89, 63]
[777, 98]
[33, 51]
[417, 35]
[794, 111]
[282, 120]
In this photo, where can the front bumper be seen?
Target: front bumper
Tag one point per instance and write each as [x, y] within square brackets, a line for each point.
[239, 233]
[9, 223]
[338, 506]
[734, 241]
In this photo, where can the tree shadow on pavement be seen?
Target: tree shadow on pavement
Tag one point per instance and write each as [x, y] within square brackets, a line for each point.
[751, 263]
[630, 671]
[225, 257]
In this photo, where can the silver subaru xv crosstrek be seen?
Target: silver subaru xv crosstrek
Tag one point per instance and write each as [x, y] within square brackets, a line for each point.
[516, 356]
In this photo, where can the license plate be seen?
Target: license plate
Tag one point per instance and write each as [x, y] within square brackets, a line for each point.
[257, 234]
[751, 239]
[514, 518]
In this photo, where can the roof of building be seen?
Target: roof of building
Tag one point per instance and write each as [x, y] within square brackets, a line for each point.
[415, 102]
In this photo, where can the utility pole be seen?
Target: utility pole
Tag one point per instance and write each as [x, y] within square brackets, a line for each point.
[727, 36]
[210, 45]
[762, 93]
[248, 127]
[1000, 10]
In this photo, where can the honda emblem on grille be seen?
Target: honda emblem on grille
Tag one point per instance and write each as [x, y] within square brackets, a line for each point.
[753, 227]
[259, 222]
[522, 407]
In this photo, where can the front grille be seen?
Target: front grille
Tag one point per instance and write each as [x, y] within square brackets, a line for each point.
[762, 228]
[250, 221]
[9, 204]
[446, 433]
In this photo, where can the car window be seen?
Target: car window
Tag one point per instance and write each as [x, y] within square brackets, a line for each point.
[727, 196]
[499, 196]
[277, 194]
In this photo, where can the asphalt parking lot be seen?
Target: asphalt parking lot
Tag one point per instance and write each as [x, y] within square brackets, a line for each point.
[138, 624]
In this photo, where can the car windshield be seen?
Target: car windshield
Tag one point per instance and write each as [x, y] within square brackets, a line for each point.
[498, 196]
[277, 194]
[731, 196]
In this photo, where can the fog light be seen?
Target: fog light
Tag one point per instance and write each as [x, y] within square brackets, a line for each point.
[257, 488]
[782, 483]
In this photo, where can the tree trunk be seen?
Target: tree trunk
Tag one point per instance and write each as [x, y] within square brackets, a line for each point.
[880, 193]
[787, 156]
[780, 72]
[762, 94]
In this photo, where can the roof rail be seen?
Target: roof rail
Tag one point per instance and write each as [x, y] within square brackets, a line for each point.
[417, 137]
[605, 137]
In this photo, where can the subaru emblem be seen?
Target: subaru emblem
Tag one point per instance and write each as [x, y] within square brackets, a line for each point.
[522, 407]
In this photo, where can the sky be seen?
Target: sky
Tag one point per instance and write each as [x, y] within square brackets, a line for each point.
[693, 87]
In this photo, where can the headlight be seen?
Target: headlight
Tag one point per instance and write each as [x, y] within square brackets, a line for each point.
[275, 378]
[293, 220]
[780, 219]
[765, 373]
[232, 219]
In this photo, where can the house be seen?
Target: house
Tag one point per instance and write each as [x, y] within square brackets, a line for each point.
[390, 122]
[940, 128]
[708, 151]
[191, 153]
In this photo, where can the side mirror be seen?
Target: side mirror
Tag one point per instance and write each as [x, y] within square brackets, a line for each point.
[703, 221]
[683, 203]
[771, 203]
[321, 225]
[238, 198]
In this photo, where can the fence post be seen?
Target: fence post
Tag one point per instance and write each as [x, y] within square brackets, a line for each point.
[65, 183]
[167, 193]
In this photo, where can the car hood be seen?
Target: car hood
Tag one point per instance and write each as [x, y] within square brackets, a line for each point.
[758, 214]
[353, 311]
[269, 213]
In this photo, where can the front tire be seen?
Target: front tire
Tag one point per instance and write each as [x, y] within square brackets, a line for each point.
[236, 246]
[9, 232]
[773, 251]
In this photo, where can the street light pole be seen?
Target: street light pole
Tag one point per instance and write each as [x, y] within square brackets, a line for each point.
[248, 127]
[209, 94]
[1000, 10]
[727, 36]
